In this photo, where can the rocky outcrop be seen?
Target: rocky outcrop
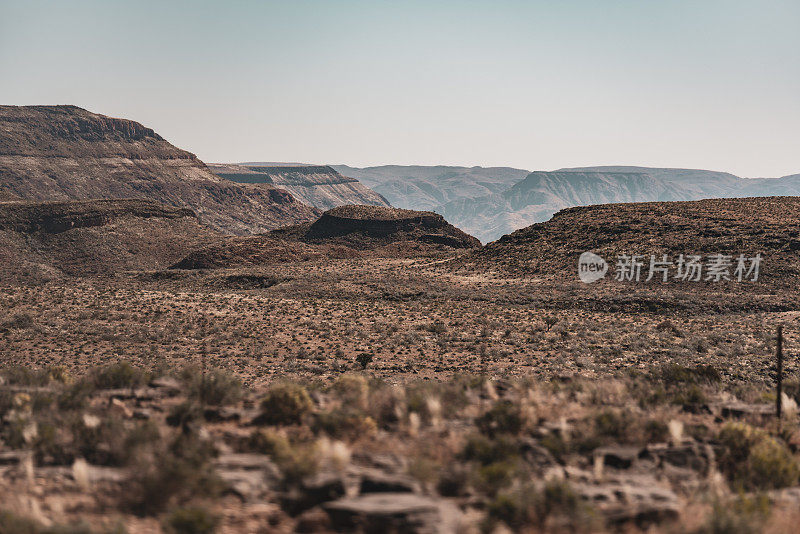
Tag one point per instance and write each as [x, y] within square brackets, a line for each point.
[56, 217]
[316, 185]
[67, 153]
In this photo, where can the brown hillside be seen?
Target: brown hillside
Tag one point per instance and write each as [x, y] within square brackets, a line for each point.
[68, 153]
[769, 225]
[343, 232]
[41, 241]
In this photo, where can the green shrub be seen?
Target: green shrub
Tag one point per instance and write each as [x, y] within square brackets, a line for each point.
[553, 507]
[352, 390]
[172, 476]
[285, 404]
[11, 523]
[493, 477]
[216, 387]
[75, 396]
[754, 460]
[119, 375]
[295, 460]
[504, 417]
[184, 414]
[744, 515]
[364, 359]
[20, 375]
[481, 449]
[344, 423]
[191, 520]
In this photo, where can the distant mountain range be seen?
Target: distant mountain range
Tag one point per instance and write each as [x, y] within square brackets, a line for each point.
[422, 187]
[491, 202]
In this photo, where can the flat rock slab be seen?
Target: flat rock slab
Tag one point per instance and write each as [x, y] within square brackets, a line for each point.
[741, 409]
[250, 476]
[632, 502]
[393, 512]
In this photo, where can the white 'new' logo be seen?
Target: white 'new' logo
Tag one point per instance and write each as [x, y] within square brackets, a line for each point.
[591, 267]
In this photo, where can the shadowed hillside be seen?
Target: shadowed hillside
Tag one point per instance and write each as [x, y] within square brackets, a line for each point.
[343, 232]
[768, 225]
[68, 153]
[43, 241]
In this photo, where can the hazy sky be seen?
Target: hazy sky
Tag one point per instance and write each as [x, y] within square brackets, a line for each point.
[536, 85]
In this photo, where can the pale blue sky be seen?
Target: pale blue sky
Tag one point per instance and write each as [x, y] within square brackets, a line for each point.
[537, 85]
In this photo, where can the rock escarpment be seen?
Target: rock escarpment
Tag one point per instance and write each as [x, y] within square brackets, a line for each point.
[50, 240]
[68, 153]
[316, 185]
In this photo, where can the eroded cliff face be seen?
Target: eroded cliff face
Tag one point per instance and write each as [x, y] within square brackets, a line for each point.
[68, 153]
[319, 186]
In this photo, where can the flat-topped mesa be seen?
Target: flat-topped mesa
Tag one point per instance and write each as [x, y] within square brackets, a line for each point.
[70, 131]
[319, 186]
[365, 227]
[375, 221]
[63, 153]
[55, 217]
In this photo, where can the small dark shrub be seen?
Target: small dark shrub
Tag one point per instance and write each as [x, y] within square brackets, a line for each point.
[364, 359]
[504, 417]
[191, 520]
[216, 387]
